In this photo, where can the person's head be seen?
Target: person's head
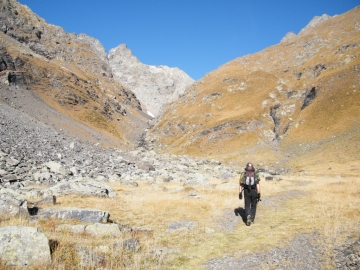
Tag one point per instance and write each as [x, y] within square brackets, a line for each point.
[249, 167]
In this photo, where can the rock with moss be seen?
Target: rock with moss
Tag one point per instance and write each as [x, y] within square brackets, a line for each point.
[15, 242]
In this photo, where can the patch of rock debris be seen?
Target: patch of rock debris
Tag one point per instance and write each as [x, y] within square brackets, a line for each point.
[303, 253]
[32, 152]
[348, 255]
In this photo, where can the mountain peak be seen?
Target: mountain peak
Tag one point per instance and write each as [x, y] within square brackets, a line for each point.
[154, 86]
[315, 21]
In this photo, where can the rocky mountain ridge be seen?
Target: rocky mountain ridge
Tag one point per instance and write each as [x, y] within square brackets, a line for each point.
[315, 21]
[155, 86]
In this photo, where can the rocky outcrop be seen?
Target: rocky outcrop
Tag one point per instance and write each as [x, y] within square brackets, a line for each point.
[95, 44]
[15, 242]
[154, 86]
[288, 36]
[314, 22]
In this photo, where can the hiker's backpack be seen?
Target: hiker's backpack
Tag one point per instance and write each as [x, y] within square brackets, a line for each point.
[249, 182]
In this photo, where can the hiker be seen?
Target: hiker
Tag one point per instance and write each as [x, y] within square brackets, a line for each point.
[250, 184]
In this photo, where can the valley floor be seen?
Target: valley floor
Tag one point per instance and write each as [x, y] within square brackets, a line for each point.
[184, 212]
[302, 222]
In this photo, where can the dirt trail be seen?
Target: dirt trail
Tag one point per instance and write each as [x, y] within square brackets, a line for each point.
[307, 250]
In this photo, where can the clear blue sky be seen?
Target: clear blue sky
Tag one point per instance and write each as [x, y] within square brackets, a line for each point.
[196, 36]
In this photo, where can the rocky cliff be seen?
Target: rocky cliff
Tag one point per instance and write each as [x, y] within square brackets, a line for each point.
[291, 104]
[154, 86]
[69, 72]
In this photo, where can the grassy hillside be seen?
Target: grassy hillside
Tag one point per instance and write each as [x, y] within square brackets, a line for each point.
[296, 103]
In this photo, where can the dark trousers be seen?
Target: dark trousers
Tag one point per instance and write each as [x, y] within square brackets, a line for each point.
[250, 197]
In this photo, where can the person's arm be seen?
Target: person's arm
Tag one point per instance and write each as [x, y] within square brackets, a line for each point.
[258, 184]
[241, 183]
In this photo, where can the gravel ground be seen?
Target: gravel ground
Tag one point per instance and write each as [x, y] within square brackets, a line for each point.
[303, 253]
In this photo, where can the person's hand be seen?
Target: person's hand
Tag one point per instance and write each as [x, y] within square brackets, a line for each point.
[240, 196]
[258, 197]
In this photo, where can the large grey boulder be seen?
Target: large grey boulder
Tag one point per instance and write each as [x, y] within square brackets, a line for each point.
[66, 213]
[12, 203]
[82, 186]
[23, 246]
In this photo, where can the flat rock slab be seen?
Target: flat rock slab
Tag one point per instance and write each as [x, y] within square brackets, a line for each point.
[181, 226]
[67, 213]
[23, 246]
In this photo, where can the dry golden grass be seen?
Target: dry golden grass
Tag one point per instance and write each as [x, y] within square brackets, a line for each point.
[246, 88]
[329, 206]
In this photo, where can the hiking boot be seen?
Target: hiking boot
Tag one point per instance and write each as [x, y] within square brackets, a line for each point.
[248, 220]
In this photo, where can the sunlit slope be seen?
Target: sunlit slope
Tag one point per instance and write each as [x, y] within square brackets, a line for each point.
[67, 72]
[288, 103]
